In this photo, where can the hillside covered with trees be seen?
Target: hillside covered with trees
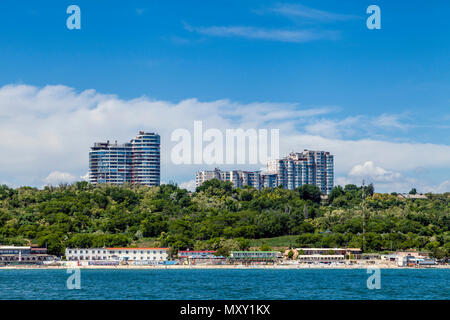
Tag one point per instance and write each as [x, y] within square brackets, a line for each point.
[219, 217]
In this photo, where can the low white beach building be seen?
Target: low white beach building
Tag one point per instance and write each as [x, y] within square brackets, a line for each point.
[138, 254]
[321, 258]
[117, 254]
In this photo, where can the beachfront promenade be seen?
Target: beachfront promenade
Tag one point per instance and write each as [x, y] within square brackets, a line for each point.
[288, 265]
[159, 258]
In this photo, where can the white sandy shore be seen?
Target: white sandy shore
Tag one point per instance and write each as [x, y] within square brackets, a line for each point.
[203, 267]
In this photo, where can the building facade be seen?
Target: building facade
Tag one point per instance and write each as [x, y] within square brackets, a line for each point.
[192, 254]
[25, 254]
[321, 258]
[303, 253]
[238, 178]
[323, 251]
[136, 162]
[117, 254]
[255, 255]
[269, 180]
[301, 168]
[293, 171]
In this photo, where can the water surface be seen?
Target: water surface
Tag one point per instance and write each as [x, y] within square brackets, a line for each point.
[225, 284]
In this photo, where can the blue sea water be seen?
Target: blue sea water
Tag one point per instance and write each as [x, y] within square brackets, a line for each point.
[225, 284]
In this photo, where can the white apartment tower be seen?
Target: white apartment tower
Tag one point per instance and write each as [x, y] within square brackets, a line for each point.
[238, 178]
[136, 162]
[295, 170]
[307, 167]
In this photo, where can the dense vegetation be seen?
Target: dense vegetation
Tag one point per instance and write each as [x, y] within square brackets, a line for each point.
[217, 216]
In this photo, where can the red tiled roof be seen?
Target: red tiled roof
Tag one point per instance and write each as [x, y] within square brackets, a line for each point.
[137, 248]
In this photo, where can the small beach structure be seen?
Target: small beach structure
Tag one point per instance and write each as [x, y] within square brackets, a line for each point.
[252, 257]
[24, 255]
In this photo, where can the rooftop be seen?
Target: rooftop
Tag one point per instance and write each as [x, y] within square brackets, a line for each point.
[325, 249]
[254, 251]
[412, 196]
[15, 248]
[137, 248]
[206, 251]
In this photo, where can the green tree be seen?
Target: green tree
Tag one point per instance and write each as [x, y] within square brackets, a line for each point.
[265, 247]
[309, 192]
[335, 193]
[290, 255]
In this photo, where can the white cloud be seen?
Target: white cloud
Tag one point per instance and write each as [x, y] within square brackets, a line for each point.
[353, 125]
[334, 128]
[249, 32]
[56, 177]
[325, 128]
[304, 12]
[85, 177]
[50, 129]
[394, 155]
[343, 181]
[441, 188]
[389, 121]
[189, 185]
[370, 171]
[388, 181]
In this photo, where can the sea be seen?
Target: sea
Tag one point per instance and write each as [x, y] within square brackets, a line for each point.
[224, 284]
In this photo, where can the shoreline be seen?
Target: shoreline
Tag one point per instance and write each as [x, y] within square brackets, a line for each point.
[223, 267]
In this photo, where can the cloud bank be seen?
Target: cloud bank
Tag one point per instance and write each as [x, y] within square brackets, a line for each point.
[46, 132]
[250, 32]
[307, 13]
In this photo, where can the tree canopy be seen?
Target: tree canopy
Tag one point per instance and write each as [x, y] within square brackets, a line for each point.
[218, 216]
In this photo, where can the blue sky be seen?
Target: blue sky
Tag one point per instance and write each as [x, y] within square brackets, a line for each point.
[389, 85]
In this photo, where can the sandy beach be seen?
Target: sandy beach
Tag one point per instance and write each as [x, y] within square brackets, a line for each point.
[205, 267]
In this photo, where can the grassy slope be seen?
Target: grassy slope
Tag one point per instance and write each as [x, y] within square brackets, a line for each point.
[283, 241]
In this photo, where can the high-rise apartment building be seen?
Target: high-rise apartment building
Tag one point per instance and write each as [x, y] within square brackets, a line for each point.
[146, 158]
[238, 178]
[295, 170]
[136, 162]
[307, 167]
